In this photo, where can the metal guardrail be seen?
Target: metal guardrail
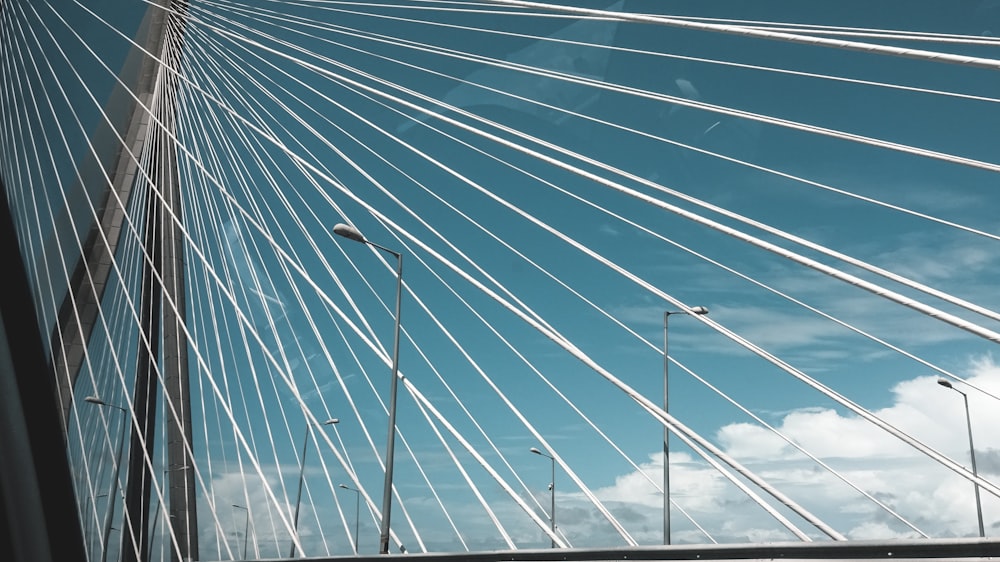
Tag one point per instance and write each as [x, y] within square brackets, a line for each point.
[916, 549]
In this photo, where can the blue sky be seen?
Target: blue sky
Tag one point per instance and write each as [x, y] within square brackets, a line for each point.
[861, 371]
[313, 146]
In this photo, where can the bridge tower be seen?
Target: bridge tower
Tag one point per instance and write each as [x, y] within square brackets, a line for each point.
[146, 161]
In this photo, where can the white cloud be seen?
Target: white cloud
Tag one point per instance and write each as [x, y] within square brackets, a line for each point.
[953, 258]
[922, 491]
[925, 493]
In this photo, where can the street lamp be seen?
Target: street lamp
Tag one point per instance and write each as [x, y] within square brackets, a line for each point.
[107, 506]
[159, 507]
[972, 452]
[357, 512]
[112, 496]
[552, 493]
[302, 473]
[666, 406]
[246, 529]
[352, 233]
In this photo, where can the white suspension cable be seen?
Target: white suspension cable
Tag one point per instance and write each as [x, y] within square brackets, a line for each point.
[871, 287]
[990, 64]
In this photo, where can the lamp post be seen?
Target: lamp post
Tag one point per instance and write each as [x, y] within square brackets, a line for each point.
[246, 529]
[552, 493]
[666, 408]
[159, 508]
[112, 496]
[357, 512]
[352, 233]
[972, 452]
[302, 473]
[107, 501]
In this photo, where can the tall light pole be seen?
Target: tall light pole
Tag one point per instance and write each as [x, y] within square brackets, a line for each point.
[666, 408]
[972, 452]
[246, 529]
[357, 512]
[302, 474]
[112, 495]
[106, 515]
[552, 493]
[159, 507]
[352, 233]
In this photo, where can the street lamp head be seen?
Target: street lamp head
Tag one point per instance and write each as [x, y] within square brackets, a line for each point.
[535, 450]
[348, 231]
[693, 310]
[945, 383]
[344, 486]
[94, 400]
[331, 421]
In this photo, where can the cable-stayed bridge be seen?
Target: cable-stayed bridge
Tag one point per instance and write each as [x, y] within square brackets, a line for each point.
[555, 242]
